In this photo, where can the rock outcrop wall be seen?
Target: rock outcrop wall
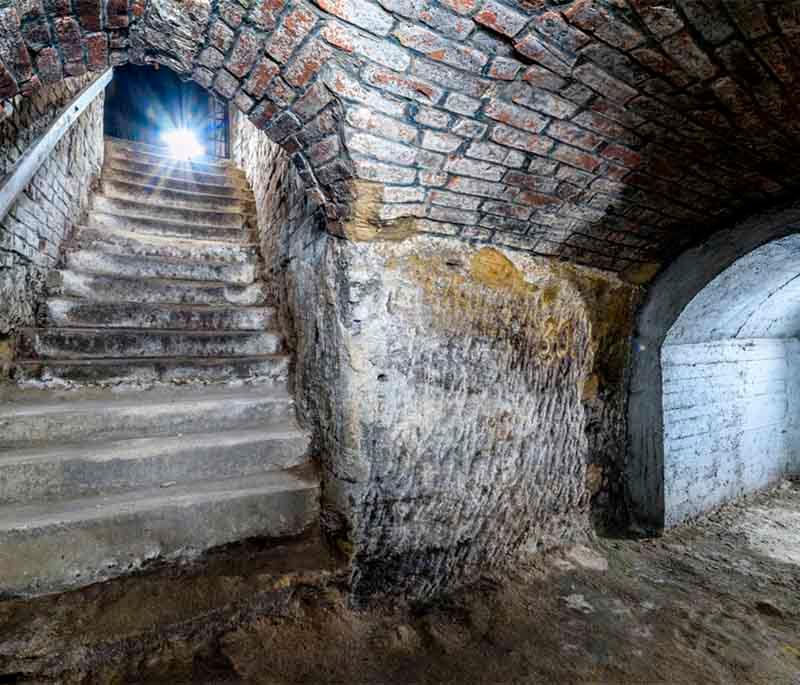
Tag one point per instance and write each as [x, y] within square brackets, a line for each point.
[449, 385]
[465, 401]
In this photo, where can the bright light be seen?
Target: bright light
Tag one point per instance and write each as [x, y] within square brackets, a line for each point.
[183, 144]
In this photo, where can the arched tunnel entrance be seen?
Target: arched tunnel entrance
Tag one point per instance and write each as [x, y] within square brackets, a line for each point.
[143, 103]
[716, 364]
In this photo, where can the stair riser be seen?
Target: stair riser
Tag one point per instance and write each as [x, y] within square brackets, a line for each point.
[23, 483]
[217, 219]
[147, 373]
[54, 558]
[175, 200]
[108, 289]
[102, 220]
[71, 313]
[144, 267]
[110, 242]
[118, 423]
[177, 183]
[104, 344]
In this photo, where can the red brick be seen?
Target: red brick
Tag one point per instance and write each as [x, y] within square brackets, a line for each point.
[48, 65]
[117, 14]
[307, 63]
[501, 18]
[623, 155]
[552, 25]
[260, 77]
[244, 53]
[97, 51]
[8, 86]
[505, 135]
[576, 158]
[591, 15]
[543, 78]
[296, 26]
[69, 37]
[574, 135]
[441, 49]
[604, 83]
[533, 199]
[519, 117]
[90, 14]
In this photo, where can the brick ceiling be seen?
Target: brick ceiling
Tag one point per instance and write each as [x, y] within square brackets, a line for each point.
[605, 132]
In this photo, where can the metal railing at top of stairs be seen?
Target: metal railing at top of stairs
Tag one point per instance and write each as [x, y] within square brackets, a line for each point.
[25, 168]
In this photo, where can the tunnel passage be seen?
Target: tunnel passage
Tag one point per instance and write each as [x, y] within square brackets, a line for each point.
[731, 375]
[715, 373]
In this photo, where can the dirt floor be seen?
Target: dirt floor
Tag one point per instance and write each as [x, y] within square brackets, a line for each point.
[717, 601]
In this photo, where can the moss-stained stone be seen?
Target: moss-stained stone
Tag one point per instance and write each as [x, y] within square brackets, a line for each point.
[365, 223]
[640, 274]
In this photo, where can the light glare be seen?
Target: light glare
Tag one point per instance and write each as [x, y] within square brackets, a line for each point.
[183, 144]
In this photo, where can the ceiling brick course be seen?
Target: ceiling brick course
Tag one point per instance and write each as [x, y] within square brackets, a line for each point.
[607, 132]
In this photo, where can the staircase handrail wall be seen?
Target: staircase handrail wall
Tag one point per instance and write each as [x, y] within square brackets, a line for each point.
[25, 168]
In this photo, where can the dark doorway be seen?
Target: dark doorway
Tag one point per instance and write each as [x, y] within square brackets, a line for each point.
[143, 103]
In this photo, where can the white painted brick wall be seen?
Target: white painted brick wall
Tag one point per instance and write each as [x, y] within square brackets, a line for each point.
[729, 420]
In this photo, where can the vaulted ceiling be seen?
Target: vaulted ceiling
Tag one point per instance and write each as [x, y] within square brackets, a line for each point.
[605, 132]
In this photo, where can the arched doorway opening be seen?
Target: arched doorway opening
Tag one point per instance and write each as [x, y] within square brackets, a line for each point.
[715, 373]
[145, 102]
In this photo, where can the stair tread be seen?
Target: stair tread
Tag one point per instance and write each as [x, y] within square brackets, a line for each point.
[168, 306]
[17, 405]
[135, 448]
[154, 239]
[83, 330]
[156, 203]
[171, 173]
[157, 187]
[220, 359]
[161, 259]
[167, 281]
[59, 513]
[123, 145]
[164, 221]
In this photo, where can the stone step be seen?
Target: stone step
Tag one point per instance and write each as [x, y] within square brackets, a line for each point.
[56, 472]
[98, 288]
[132, 266]
[221, 216]
[118, 416]
[225, 187]
[122, 343]
[52, 547]
[169, 172]
[143, 225]
[75, 313]
[175, 199]
[146, 372]
[146, 245]
[135, 150]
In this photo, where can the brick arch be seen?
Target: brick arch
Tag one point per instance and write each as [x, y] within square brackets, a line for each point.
[613, 133]
[233, 52]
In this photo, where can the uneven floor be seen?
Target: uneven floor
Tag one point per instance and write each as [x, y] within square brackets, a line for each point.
[717, 601]
[713, 602]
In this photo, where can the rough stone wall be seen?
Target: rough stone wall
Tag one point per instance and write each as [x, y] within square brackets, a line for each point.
[447, 383]
[281, 198]
[32, 232]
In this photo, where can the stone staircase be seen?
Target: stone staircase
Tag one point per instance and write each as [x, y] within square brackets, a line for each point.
[151, 418]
